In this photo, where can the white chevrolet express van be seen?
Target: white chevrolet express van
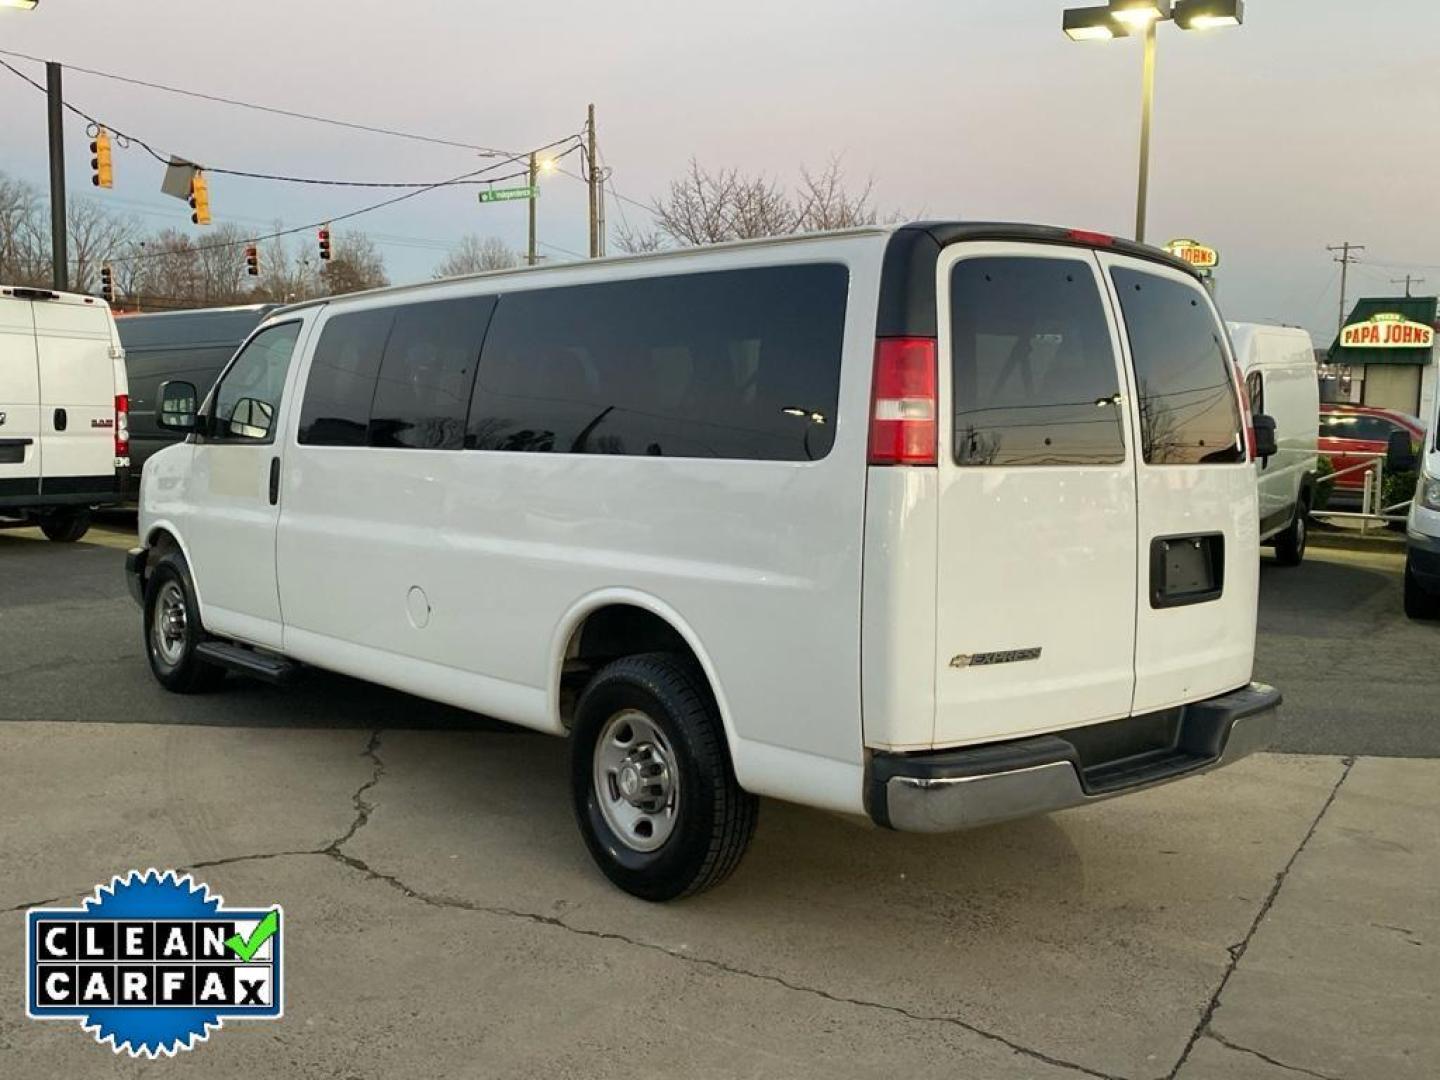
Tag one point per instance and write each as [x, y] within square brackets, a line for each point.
[1278, 363]
[941, 525]
[64, 410]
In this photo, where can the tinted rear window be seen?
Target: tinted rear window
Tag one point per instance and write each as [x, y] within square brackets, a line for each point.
[1188, 409]
[1034, 367]
[731, 364]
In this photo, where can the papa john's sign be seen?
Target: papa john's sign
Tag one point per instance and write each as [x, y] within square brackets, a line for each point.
[1387, 331]
[1194, 253]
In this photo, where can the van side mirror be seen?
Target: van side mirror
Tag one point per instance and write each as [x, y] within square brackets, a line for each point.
[1399, 453]
[177, 406]
[1265, 445]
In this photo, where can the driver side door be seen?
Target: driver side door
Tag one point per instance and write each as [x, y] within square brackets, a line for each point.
[235, 489]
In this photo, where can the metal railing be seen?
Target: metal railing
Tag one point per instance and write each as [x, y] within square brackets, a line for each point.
[1372, 495]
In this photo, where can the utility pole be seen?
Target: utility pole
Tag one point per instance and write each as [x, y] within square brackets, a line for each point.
[534, 180]
[60, 261]
[1344, 259]
[1409, 279]
[594, 182]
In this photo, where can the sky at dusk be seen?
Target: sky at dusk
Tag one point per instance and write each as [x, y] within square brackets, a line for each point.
[1315, 122]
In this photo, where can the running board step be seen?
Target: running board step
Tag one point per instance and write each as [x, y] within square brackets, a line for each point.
[243, 661]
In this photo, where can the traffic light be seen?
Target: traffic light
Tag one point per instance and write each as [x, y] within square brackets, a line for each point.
[252, 260]
[324, 236]
[107, 284]
[100, 159]
[199, 199]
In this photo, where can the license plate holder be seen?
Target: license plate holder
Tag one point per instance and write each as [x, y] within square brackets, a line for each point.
[1186, 569]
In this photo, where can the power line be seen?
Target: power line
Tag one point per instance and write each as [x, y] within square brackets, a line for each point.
[291, 113]
[125, 139]
[330, 220]
[1344, 259]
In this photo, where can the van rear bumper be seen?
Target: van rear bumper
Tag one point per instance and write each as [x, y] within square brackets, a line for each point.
[944, 790]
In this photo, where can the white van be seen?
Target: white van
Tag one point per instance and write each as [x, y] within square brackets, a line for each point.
[1422, 528]
[1278, 363]
[940, 525]
[64, 405]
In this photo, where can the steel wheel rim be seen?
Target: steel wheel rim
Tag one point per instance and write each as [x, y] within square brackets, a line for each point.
[169, 623]
[636, 780]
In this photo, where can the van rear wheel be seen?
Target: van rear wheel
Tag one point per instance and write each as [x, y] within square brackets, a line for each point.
[1290, 544]
[652, 785]
[65, 526]
[173, 630]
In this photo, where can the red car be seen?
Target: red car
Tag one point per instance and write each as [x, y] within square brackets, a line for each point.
[1352, 434]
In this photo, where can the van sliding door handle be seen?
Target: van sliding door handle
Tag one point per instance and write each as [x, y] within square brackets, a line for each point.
[274, 480]
[61, 420]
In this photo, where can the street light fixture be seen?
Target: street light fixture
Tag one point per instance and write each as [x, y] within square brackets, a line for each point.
[23, 5]
[1116, 20]
[1093, 24]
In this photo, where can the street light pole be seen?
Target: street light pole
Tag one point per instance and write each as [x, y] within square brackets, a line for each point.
[1147, 106]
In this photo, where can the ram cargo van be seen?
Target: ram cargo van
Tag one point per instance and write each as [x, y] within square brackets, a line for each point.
[64, 410]
[938, 525]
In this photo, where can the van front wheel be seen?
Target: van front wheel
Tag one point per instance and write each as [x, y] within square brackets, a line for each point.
[173, 630]
[652, 786]
[1290, 544]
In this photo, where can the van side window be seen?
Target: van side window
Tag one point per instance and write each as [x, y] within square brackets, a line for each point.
[1033, 365]
[247, 398]
[428, 372]
[1255, 391]
[341, 382]
[730, 364]
[1188, 410]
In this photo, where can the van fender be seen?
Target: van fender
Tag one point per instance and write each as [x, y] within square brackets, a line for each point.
[592, 602]
[167, 526]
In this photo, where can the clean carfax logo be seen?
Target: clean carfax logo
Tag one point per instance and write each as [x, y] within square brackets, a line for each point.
[152, 962]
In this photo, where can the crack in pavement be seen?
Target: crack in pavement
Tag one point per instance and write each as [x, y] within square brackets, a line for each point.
[1211, 1034]
[1237, 951]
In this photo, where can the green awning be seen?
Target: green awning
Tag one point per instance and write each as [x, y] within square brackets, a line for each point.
[1396, 310]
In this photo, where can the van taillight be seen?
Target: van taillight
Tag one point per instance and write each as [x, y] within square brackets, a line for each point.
[122, 425]
[904, 408]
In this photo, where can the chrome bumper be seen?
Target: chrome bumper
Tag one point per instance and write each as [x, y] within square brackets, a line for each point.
[972, 786]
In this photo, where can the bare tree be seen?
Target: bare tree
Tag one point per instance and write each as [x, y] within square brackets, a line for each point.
[474, 255]
[24, 234]
[708, 207]
[825, 204]
[355, 263]
[96, 236]
[638, 240]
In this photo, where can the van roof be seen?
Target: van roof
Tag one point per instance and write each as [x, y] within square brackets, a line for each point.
[908, 241]
[192, 327]
[35, 292]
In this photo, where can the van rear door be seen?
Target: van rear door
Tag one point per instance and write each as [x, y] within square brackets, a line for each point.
[1035, 614]
[77, 395]
[19, 403]
[1198, 566]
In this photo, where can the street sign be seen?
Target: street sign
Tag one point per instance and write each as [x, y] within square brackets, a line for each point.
[1194, 253]
[505, 194]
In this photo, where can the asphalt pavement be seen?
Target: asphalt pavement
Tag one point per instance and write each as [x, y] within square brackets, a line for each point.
[1269, 920]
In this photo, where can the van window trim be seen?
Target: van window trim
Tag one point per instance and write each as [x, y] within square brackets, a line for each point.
[203, 438]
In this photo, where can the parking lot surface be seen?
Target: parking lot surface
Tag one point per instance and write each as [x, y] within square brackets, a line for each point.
[1271, 920]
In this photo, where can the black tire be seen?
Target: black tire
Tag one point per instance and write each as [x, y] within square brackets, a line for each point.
[713, 819]
[181, 671]
[65, 526]
[1419, 603]
[1290, 544]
